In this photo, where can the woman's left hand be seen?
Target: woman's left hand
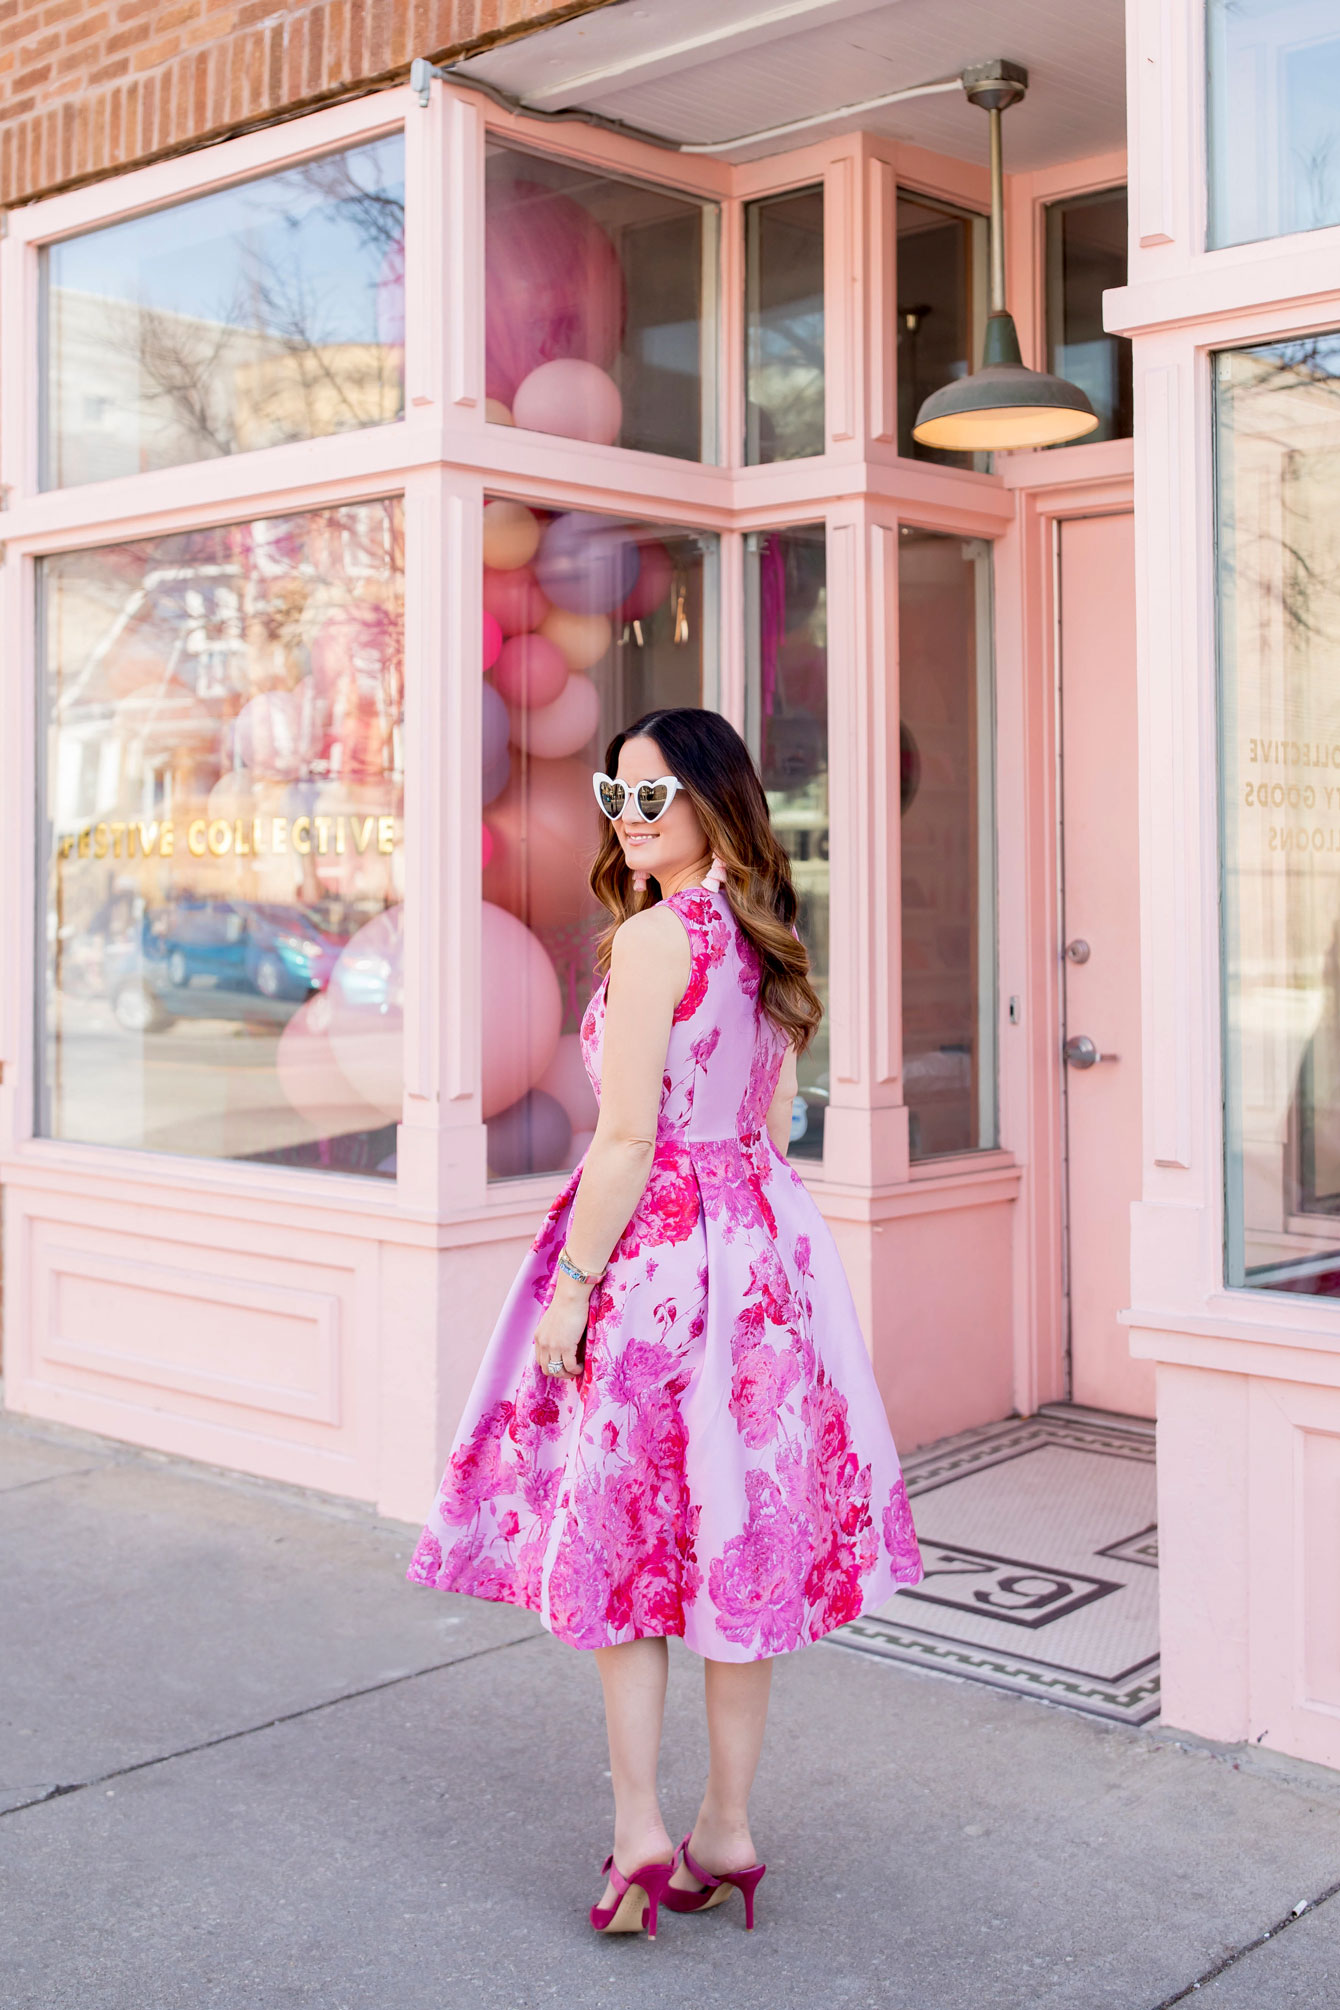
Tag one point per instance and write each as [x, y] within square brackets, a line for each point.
[559, 1333]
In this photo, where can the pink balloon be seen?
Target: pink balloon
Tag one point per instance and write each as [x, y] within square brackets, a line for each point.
[566, 1080]
[575, 399]
[514, 599]
[366, 992]
[311, 1078]
[522, 1009]
[486, 844]
[583, 638]
[530, 671]
[553, 285]
[496, 726]
[653, 583]
[562, 727]
[496, 777]
[511, 534]
[493, 639]
[545, 828]
[533, 1135]
[587, 564]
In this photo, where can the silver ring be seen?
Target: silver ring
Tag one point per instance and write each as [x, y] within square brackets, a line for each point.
[554, 1368]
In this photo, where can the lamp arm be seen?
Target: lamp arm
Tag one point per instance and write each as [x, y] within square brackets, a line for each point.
[997, 248]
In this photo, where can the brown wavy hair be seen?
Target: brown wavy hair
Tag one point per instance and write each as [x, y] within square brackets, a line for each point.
[719, 778]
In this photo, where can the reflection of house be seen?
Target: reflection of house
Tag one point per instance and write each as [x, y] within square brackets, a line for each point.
[171, 387]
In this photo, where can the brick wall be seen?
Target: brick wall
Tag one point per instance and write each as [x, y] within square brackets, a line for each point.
[91, 86]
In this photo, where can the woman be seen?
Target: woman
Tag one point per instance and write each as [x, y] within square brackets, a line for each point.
[676, 1430]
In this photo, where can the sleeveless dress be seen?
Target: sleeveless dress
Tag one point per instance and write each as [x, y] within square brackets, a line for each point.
[723, 1469]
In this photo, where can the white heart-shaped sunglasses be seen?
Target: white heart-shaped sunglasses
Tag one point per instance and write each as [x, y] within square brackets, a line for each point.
[646, 801]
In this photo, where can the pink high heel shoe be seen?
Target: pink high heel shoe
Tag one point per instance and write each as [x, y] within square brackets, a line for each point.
[637, 1900]
[716, 1889]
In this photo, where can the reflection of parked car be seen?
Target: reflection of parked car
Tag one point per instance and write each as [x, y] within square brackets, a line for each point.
[281, 952]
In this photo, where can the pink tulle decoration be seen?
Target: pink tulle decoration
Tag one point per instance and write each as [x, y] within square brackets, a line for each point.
[572, 398]
[553, 286]
[653, 582]
[514, 599]
[530, 671]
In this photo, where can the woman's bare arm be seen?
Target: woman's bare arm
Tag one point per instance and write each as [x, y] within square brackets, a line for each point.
[649, 973]
[779, 1109]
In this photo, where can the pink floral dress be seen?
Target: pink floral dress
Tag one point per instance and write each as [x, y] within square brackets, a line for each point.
[723, 1470]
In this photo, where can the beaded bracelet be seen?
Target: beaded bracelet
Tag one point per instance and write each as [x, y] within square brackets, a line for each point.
[569, 1269]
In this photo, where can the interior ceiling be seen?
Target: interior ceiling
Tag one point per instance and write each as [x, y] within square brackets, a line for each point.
[707, 70]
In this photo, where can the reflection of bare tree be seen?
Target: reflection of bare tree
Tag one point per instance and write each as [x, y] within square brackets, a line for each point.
[377, 213]
[181, 361]
[305, 345]
[1314, 176]
[1279, 563]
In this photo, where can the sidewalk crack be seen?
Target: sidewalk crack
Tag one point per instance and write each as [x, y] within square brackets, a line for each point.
[1231, 1959]
[59, 1792]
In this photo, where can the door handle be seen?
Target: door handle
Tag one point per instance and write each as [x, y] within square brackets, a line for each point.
[1079, 1051]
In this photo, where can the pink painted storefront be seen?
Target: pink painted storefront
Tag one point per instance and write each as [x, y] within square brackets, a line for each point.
[365, 470]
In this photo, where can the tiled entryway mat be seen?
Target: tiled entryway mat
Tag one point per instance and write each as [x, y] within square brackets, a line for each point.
[1041, 1555]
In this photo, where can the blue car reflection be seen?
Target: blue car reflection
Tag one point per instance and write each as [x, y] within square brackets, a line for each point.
[278, 952]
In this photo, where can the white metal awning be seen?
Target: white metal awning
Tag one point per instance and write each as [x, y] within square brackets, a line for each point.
[705, 71]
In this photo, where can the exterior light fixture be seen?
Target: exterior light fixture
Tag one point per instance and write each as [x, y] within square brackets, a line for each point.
[1003, 404]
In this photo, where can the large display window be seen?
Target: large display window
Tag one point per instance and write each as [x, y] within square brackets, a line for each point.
[787, 604]
[1086, 255]
[248, 317]
[948, 842]
[1278, 480]
[221, 826]
[941, 264]
[600, 298]
[590, 621]
[784, 326]
[1273, 117]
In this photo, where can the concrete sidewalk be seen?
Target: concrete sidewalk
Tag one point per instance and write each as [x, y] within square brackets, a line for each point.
[242, 1763]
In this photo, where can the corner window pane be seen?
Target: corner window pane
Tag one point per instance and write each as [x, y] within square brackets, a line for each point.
[255, 315]
[784, 326]
[599, 307]
[589, 622]
[941, 312]
[221, 841]
[1086, 254]
[1278, 440]
[948, 831]
[788, 691]
[1273, 117]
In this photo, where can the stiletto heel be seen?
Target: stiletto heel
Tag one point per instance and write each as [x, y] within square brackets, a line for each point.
[715, 1889]
[629, 1914]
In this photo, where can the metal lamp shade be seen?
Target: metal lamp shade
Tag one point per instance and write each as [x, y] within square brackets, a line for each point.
[1003, 404]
